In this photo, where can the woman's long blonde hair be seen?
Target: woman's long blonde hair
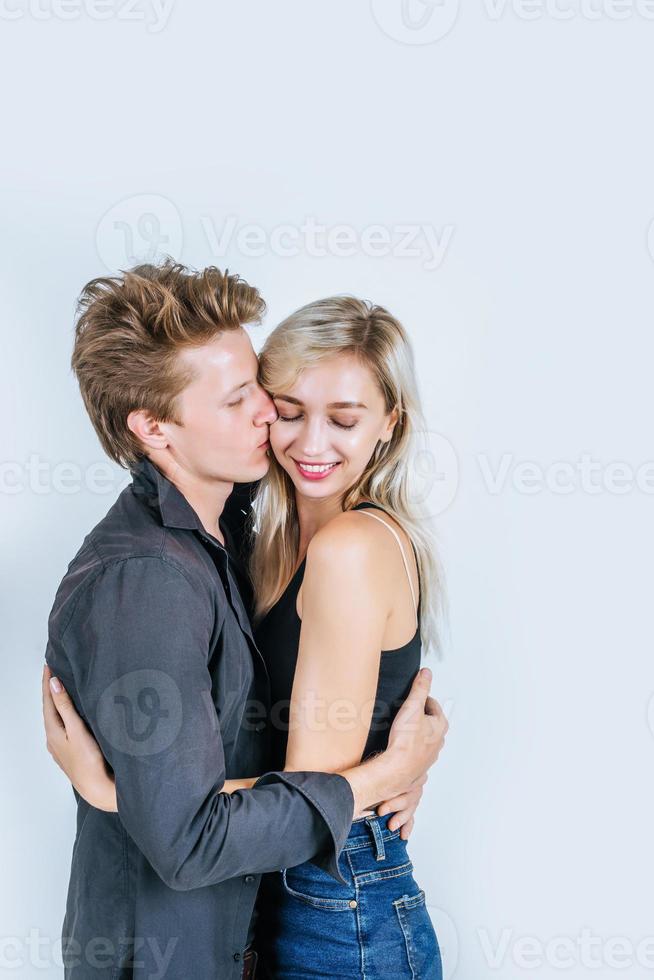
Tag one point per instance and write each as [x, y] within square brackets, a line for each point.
[320, 330]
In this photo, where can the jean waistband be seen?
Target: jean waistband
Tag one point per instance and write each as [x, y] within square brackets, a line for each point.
[369, 831]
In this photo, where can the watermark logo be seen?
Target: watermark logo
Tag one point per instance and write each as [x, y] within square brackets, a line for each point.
[145, 227]
[447, 937]
[415, 21]
[434, 473]
[140, 713]
[142, 228]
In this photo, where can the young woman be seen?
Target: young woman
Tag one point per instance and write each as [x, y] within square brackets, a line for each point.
[347, 593]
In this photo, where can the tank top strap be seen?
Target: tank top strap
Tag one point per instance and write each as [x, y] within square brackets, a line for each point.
[397, 538]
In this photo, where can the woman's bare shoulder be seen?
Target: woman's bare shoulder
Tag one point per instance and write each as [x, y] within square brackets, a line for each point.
[350, 536]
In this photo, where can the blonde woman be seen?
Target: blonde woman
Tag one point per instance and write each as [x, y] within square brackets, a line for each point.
[347, 595]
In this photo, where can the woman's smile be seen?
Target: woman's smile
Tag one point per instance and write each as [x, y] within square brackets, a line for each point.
[314, 471]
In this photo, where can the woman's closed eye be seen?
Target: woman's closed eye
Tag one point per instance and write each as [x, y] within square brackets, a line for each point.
[296, 418]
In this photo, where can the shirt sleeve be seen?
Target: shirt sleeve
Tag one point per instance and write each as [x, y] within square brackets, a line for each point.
[134, 655]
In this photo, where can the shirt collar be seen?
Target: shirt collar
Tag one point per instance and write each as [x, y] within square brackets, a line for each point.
[149, 483]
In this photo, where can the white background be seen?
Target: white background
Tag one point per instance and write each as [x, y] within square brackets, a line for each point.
[520, 136]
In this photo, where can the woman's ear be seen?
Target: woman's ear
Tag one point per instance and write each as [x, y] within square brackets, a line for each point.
[391, 422]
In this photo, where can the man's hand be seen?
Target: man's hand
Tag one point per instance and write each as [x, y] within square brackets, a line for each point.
[414, 743]
[403, 808]
[418, 733]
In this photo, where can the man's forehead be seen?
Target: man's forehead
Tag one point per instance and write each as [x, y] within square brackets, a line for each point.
[229, 359]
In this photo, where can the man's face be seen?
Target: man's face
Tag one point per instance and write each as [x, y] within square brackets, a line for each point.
[224, 412]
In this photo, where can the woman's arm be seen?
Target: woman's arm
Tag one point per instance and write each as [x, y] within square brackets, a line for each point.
[345, 606]
[346, 600]
[76, 752]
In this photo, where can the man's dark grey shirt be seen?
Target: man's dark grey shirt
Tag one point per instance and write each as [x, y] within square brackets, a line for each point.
[151, 637]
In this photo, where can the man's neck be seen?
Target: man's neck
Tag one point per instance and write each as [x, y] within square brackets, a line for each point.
[206, 498]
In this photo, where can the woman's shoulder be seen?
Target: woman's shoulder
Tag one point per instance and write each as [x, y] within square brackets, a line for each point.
[351, 537]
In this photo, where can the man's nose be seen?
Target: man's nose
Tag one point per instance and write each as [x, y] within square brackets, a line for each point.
[267, 413]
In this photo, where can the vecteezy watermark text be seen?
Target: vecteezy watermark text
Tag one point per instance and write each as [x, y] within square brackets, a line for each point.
[98, 953]
[42, 477]
[563, 952]
[145, 227]
[584, 474]
[415, 22]
[153, 13]
[318, 240]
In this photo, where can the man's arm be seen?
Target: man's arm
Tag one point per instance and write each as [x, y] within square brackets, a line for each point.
[133, 656]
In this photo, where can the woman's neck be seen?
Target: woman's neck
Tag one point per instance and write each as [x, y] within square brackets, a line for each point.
[313, 515]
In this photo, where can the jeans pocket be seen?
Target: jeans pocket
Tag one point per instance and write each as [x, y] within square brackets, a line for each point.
[419, 936]
[307, 888]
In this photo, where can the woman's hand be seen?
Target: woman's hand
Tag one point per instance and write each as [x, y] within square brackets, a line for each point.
[73, 747]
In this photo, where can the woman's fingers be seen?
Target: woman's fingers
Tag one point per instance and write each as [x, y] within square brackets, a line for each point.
[51, 718]
[63, 704]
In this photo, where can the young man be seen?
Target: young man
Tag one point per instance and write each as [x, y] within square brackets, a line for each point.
[150, 636]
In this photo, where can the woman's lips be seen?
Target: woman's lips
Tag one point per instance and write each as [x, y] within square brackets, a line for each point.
[315, 474]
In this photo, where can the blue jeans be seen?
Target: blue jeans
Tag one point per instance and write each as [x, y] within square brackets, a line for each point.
[376, 926]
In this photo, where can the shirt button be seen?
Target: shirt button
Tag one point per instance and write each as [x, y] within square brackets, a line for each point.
[249, 878]
[352, 904]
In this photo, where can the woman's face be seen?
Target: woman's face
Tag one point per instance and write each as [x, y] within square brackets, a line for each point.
[329, 424]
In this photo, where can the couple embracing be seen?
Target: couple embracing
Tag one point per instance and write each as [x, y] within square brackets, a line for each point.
[232, 680]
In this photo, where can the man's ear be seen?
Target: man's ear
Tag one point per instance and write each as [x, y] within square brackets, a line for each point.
[147, 429]
[393, 419]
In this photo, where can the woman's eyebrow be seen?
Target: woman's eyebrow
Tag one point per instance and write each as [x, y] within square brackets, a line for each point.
[296, 401]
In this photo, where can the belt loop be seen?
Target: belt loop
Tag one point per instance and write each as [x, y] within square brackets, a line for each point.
[373, 823]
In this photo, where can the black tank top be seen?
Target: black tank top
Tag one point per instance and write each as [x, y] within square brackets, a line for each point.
[278, 638]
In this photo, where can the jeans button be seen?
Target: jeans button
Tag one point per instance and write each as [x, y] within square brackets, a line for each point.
[249, 878]
[353, 904]
[237, 956]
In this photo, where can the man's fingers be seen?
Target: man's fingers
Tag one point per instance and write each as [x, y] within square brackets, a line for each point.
[400, 818]
[403, 801]
[414, 705]
[407, 828]
[432, 707]
[437, 720]
[392, 806]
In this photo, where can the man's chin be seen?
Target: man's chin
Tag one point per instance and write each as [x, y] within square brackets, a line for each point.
[254, 472]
